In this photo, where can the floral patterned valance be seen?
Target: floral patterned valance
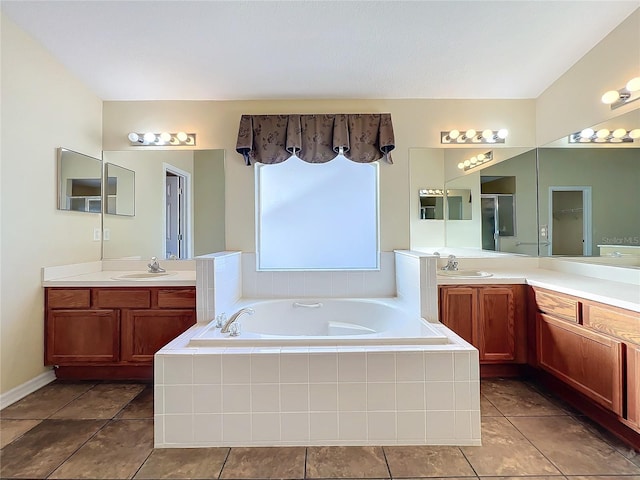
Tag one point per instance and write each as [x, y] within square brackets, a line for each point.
[318, 138]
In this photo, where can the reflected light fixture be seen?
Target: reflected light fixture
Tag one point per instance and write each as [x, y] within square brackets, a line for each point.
[150, 139]
[604, 135]
[629, 93]
[431, 192]
[476, 161]
[474, 136]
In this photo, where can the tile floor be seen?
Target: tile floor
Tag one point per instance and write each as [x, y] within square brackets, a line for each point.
[105, 430]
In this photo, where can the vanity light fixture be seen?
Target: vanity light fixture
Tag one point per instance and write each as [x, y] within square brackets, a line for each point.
[431, 192]
[604, 135]
[476, 161]
[629, 93]
[474, 136]
[166, 139]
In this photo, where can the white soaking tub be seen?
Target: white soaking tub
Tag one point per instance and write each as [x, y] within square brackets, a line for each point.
[317, 322]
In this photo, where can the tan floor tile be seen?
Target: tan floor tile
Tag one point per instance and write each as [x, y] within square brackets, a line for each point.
[43, 448]
[103, 401]
[183, 463]
[45, 402]
[544, 477]
[603, 477]
[115, 452]
[516, 398]
[487, 409]
[139, 407]
[506, 452]
[346, 462]
[12, 429]
[427, 461]
[264, 462]
[572, 447]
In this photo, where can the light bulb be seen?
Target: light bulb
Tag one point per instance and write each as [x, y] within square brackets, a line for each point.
[467, 163]
[633, 84]
[181, 136]
[610, 97]
[502, 133]
[635, 133]
[481, 157]
[149, 137]
[473, 160]
[453, 134]
[587, 133]
[133, 137]
[619, 133]
[487, 134]
[165, 137]
[470, 133]
[602, 133]
[461, 165]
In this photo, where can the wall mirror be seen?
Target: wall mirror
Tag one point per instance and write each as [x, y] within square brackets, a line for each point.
[459, 201]
[119, 190]
[179, 205]
[431, 203]
[79, 182]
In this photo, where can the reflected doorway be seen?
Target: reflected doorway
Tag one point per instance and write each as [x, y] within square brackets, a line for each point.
[498, 219]
[177, 186]
[570, 221]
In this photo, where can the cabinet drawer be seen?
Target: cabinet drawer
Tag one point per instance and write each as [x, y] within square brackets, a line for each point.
[177, 298]
[121, 298]
[68, 298]
[563, 306]
[619, 323]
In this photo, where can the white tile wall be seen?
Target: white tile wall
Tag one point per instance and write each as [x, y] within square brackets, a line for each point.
[333, 396]
[218, 283]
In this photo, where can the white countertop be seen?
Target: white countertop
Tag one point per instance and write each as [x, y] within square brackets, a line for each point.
[619, 294]
[111, 278]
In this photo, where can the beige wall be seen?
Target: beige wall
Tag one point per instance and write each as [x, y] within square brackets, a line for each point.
[43, 107]
[573, 101]
[208, 204]
[417, 123]
[426, 170]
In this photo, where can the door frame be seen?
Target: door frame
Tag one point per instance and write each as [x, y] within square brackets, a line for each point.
[586, 216]
[185, 208]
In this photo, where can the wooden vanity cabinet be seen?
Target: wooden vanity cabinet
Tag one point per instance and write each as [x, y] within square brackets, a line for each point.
[104, 333]
[490, 317]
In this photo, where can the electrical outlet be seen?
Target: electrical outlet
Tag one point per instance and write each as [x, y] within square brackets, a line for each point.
[96, 234]
[544, 229]
[106, 234]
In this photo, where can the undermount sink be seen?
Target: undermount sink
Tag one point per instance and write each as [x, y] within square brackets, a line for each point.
[464, 273]
[143, 275]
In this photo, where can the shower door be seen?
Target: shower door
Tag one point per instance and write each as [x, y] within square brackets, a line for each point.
[498, 219]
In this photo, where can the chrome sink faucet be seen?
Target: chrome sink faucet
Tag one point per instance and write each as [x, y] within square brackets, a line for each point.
[154, 266]
[452, 263]
[227, 326]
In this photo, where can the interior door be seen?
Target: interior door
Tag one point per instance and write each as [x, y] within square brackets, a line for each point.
[173, 216]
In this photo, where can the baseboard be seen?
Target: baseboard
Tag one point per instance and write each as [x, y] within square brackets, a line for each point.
[30, 386]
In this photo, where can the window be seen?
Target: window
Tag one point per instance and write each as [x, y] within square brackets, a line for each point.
[312, 216]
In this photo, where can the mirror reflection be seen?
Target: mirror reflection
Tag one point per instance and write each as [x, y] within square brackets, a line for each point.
[179, 205]
[458, 204]
[79, 182]
[431, 203]
[119, 190]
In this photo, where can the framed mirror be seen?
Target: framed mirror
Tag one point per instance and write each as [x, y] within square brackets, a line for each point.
[79, 182]
[179, 205]
[119, 190]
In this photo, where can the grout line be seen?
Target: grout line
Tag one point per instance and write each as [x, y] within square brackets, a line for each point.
[224, 462]
[304, 472]
[384, 454]
[469, 462]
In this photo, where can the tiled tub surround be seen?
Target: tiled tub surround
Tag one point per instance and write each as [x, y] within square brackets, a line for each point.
[322, 394]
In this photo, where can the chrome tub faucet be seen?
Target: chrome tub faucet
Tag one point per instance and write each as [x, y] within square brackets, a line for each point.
[227, 326]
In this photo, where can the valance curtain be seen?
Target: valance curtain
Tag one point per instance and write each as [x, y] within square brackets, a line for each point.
[318, 138]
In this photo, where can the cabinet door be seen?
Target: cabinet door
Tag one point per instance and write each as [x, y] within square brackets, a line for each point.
[496, 324]
[633, 386]
[81, 336]
[144, 332]
[458, 306]
[587, 361]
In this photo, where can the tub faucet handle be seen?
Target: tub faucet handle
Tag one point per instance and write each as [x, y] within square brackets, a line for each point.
[221, 318]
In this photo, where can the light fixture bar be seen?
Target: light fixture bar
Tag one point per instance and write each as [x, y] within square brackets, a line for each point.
[164, 139]
[623, 96]
[476, 161]
[604, 135]
[472, 135]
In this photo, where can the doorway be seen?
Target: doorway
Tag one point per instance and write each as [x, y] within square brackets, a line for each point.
[570, 221]
[176, 206]
[498, 219]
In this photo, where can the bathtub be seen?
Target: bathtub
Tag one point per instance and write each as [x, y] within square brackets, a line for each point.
[326, 321]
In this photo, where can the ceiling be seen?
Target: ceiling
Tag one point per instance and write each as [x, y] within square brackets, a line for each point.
[235, 50]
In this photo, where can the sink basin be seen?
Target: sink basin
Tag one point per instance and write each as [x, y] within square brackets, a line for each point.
[143, 275]
[464, 273]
